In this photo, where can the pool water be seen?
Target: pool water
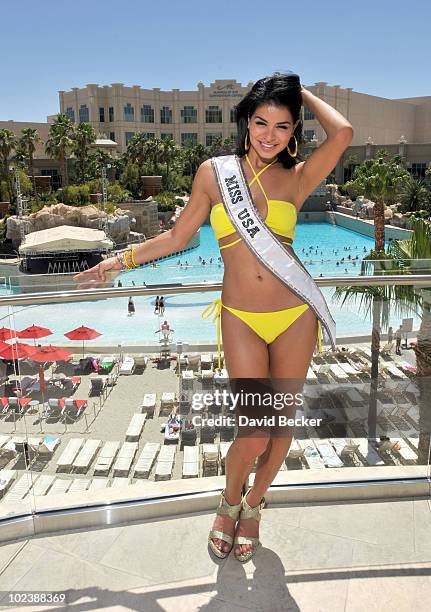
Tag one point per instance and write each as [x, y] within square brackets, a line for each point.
[183, 311]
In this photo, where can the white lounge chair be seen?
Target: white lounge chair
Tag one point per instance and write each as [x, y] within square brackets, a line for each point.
[136, 426]
[328, 454]
[69, 454]
[149, 404]
[146, 460]
[120, 481]
[106, 457]
[21, 488]
[6, 479]
[42, 484]
[128, 366]
[191, 462]
[206, 362]
[125, 458]
[60, 486]
[98, 483]
[86, 455]
[165, 462]
[210, 459]
[79, 484]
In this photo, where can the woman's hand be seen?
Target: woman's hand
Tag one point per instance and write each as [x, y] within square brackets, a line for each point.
[101, 275]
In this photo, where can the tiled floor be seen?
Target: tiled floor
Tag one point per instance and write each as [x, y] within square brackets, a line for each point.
[324, 557]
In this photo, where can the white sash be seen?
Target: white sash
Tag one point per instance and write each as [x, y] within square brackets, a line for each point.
[240, 208]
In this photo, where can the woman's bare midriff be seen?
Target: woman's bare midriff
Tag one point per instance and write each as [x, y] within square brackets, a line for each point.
[248, 285]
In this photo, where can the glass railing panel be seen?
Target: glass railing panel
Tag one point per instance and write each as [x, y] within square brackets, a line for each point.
[127, 406]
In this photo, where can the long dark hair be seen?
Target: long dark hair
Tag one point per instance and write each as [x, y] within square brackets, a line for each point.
[281, 89]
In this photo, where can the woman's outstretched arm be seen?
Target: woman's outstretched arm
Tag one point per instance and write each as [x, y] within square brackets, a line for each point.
[192, 217]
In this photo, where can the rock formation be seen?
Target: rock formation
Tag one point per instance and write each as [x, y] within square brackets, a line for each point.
[119, 224]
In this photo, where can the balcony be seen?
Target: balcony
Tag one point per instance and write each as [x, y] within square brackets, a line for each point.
[100, 444]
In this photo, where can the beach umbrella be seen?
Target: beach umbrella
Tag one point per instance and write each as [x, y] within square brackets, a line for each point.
[17, 350]
[7, 334]
[49, 353]
[83, 333]
[34, 332]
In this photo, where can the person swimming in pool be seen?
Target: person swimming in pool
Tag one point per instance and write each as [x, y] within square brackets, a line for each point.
[268, 330]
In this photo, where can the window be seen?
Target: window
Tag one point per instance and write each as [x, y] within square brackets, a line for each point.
[101, 114]
[112, 136]
[165, 114]
[189, 114]
[147, 114]
[55, 177]
[418, 169]
[128, 137]
[129, 112]
[167, 136]
[84, 115]
[213, 114]
[189, 139]
[70, 113]
[211, 138]
[149, 135]
[309, 134]
[111, 113]
[233, 115]
[308, 114]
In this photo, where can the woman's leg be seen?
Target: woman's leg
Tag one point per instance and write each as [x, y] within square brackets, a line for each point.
[246, 356]
[290, 356]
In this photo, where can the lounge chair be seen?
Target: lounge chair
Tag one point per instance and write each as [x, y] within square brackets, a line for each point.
[69, 454]
[149, 404]
[22, 487]
[141, 361]
[78, 485]
[6, 479]
[128, 366]
[167, 402]
[165, 462]
[98, 483]
[172, 431]
[42, 485]
[54, 408]
[191, 462]
[86, 455]
[136, 426]
[73, 408]
[188, 437]
[328, 454]
[311, 455]
[59, 487]
[125, 458]
[98, 385]
[106, 457]
[210, 459]
[146, 460]
[206, 362]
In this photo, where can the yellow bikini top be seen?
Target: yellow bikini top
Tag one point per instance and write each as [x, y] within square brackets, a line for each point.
[281, 217]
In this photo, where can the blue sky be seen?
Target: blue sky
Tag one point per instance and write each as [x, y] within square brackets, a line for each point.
[379, 47]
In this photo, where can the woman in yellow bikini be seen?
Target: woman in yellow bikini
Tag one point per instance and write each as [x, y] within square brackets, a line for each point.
[268, 330]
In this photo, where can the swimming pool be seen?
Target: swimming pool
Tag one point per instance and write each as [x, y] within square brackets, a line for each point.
[110, 317]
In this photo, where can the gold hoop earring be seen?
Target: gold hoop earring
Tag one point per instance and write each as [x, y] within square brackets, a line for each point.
[246, 142]
[296, 148]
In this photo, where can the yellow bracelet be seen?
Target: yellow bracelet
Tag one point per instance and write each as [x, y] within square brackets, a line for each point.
[132, 257]
[126, 263]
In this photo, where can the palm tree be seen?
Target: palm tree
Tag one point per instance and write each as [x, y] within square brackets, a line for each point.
[60, 142]
[379, 180]
[415, 195]
[170, 152]
[8, 142]
[416, 255]
[83, 137]
[377, 302]
[28, 141]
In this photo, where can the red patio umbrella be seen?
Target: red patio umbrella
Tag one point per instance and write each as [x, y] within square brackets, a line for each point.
[7, 334]
[49, 353]
[82, 333]
[35, 332]
[17, 350]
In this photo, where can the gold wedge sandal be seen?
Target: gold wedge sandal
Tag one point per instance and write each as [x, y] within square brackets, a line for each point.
[233, 512]
[249, 512]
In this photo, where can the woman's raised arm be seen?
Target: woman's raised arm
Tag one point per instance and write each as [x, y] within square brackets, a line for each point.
[192, 217]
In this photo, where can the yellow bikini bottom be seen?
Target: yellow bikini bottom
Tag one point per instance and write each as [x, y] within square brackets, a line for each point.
[267, 325]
